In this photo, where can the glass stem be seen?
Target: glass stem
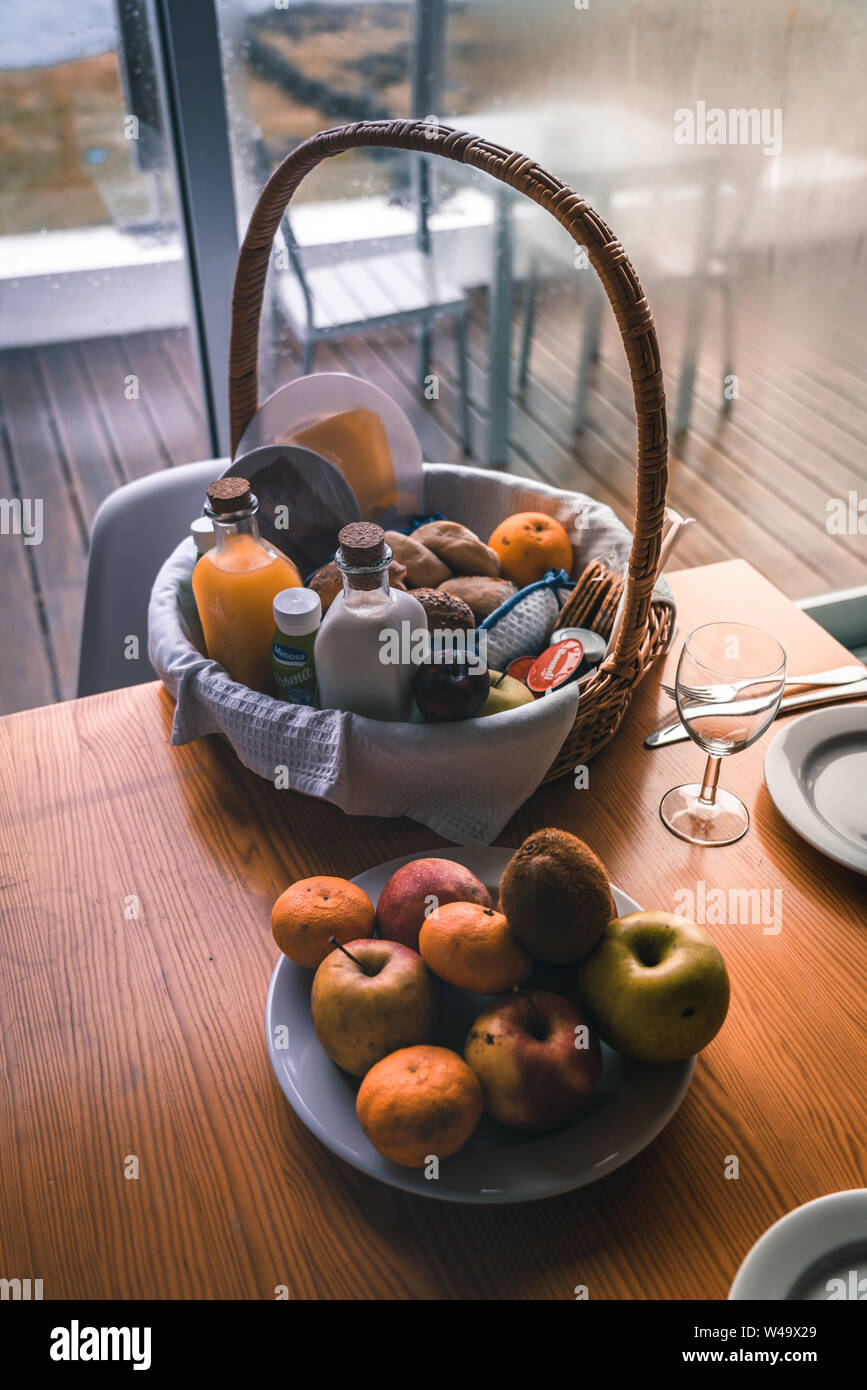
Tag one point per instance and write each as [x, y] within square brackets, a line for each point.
[710, 780]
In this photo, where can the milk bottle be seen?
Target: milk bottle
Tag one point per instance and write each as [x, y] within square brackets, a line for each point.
[358, 631]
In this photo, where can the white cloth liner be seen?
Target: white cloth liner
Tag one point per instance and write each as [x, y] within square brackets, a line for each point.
[465, 779]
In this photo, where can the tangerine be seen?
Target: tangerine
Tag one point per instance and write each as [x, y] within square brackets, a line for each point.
[311, 911]
[529, 544]
[419, 1102]
[472, 947]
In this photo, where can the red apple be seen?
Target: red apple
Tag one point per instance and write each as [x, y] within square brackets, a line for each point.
[447, 690]
[538, 1060]
[415, 891]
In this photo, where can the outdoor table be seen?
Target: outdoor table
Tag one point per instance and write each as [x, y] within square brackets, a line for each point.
[593, 146]
[146, 1149]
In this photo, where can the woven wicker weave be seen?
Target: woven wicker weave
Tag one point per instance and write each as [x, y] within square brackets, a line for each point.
[643, 630]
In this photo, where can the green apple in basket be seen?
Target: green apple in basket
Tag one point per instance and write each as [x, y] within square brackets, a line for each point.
[505, 693]
[656, 987]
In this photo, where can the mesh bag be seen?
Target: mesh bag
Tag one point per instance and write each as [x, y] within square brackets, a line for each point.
[523, 624]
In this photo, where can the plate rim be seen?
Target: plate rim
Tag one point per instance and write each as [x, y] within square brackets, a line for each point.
[407, 1182]
[397, 424]
[777, 1235]
[810, 826]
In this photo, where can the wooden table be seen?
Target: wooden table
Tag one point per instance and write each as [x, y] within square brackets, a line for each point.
[136, 882]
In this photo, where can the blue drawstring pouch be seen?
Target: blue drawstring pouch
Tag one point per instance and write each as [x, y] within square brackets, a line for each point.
[522, 626]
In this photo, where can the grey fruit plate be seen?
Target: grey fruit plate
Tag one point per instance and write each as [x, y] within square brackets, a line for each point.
[633, 1103]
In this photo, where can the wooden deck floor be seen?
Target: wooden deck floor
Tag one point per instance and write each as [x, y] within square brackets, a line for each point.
[757, 479]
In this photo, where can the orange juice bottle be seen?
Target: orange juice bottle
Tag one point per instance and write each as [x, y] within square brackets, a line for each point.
[235, 584]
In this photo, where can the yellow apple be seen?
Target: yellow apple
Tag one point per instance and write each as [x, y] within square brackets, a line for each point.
[505, 693]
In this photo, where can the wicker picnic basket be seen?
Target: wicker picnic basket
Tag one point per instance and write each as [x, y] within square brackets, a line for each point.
[645, 625]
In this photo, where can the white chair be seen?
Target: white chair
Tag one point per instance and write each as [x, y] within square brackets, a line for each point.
[134, 530]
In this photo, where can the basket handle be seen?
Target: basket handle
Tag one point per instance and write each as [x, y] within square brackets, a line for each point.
[607, 257]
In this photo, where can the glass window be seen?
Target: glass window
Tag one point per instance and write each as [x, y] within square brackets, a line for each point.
[711, 140]
[98, 373]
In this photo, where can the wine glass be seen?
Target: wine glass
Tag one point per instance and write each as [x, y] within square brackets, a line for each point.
[730, 680]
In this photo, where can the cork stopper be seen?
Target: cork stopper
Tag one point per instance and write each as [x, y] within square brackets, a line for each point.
[362, 543]
[229, 495]
[363, 547]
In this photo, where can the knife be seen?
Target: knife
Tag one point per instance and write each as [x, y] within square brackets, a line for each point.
[676, 733]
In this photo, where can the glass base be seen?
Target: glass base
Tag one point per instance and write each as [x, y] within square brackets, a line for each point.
[700, 822]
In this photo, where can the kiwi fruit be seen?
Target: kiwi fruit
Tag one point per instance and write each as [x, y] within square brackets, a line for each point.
[556, 897]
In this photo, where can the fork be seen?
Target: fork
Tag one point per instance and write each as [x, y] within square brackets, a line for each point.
[712, 694]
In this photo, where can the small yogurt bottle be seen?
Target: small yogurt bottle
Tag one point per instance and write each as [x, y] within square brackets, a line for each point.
[202, 532]
[297, 613]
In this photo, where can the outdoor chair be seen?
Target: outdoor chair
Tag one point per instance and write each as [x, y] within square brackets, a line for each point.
[341, 299]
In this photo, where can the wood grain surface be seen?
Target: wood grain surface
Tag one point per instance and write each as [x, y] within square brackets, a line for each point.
[141, 1037]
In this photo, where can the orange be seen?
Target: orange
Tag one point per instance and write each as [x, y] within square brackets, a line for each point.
[314, 909]
[418, 1103]
[471, 947]
[529, 544]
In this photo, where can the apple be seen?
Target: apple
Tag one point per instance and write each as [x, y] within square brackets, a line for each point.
[370, 998]
[538, 1060]
[505, 693]
[656, 987]
[417, 889]
[448, 690]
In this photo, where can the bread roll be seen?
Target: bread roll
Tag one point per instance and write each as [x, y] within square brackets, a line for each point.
[458, 547]
[444, 611]
[423, 568]
[480, 593]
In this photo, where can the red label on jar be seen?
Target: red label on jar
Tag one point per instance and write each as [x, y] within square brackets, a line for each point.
[556, 666]
[519, 668]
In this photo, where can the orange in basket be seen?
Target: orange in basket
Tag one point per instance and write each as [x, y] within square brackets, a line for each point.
[311, 911]
[529, 544]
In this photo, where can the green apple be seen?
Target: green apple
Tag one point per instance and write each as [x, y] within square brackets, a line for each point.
[656, 987]
[505, 693]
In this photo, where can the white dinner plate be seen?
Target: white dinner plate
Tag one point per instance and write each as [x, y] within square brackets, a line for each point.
[816, 1253]
[309, 399]
[634, 1100]
[816, 775]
